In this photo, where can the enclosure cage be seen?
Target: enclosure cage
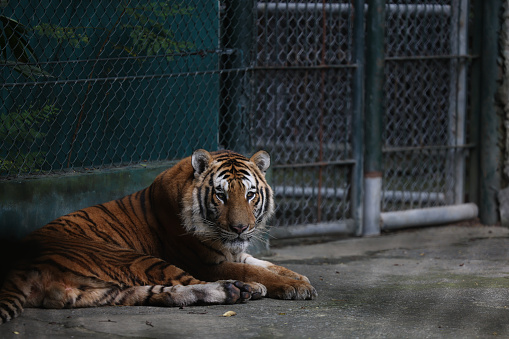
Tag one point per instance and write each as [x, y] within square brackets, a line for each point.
[93, 85]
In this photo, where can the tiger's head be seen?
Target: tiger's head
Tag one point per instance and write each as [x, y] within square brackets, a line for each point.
[231, 201]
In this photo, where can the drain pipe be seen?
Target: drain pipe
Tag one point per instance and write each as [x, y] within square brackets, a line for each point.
[375, 78]
[428, 216]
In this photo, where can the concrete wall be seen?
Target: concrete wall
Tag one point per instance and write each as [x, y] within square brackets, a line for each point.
[27, 204]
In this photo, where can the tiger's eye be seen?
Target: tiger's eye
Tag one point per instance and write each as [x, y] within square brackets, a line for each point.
[221, 196]
[250, 195]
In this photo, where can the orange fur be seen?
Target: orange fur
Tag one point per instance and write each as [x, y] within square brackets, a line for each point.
[181, 241]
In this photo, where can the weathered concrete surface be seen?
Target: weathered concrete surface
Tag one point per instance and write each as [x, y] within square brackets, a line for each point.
[445, 282]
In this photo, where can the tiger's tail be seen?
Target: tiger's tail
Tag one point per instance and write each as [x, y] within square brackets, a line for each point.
[16, 285]
[14, 294]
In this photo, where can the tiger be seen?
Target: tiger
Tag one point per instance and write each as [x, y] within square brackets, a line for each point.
[182, 241]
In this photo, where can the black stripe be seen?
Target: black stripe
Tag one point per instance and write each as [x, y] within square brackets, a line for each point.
[14, 290]
[125, 294]
[153, 266]
[143, 202]
[200, 202]
[144, 248]
[222, 173]
[119, 230]
[163, 274]
[179, 276]
[8, 307]
[246, 173]
[150, 293]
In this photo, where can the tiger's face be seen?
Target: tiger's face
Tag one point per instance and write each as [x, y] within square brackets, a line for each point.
[231, 201]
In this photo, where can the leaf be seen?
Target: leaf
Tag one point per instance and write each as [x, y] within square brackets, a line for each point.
[16, 48]
[27, 70]
[16, 25]
[229, 314]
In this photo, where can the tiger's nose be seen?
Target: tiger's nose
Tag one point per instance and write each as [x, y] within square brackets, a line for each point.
[238, 228]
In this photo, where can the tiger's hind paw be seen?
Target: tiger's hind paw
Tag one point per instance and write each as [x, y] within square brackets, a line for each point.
[238, 291]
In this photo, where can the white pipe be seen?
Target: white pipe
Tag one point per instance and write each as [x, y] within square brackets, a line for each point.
[428, 216]
[340, 193]
[340, 227]
[372, 205]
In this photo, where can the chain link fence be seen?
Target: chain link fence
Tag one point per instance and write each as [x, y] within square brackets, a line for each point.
[100, 84]
[303, 104]
[425, 117]
[94, 85]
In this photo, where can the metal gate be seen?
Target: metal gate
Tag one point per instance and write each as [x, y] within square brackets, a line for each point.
[308, 77]
[309, 103]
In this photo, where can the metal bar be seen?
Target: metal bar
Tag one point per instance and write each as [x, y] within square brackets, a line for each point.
[339, 193]
[433, 57]
[452, 114]
[337, 7]
[460, 90]
[375, 78]
[316, 164]
[357, 117]
[237, 33]
[422, 148]
[331, 146]
[475, 104]
[123, 78]
[340, 227]
[200, 53]
[230, 51]
[490, 153]
[428, 216]
[302, 68]
[322, 107]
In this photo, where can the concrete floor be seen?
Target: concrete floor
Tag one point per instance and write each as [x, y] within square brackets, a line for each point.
[443, 282]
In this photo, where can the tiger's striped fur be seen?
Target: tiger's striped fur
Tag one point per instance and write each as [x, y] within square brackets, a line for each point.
[181, 241]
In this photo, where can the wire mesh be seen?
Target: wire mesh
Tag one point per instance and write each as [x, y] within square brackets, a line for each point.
[302, 106]
[422, 93]
[92, 85]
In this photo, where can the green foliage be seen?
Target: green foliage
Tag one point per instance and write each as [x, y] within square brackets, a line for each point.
[147, 28]
[148, 36]
[70, 35]
[21, 131]
[148, 33]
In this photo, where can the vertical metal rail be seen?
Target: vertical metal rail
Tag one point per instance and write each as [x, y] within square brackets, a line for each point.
[489, 122]
[475, 104]
[322, 107]
[374, 98]
[357, 117]
[458, 102]
[237, 39]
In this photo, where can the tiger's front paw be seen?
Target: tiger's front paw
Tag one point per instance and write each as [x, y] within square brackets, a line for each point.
[292, 289]
[285, 272]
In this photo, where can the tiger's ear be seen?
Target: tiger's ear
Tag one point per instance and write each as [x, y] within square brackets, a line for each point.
[262, 160]
[200, 161]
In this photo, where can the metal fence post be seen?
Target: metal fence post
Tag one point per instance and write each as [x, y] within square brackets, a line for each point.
[237, 42]
[373, 123]
[357, 117]
[457, 103]
[490, 153]
[475, 104]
